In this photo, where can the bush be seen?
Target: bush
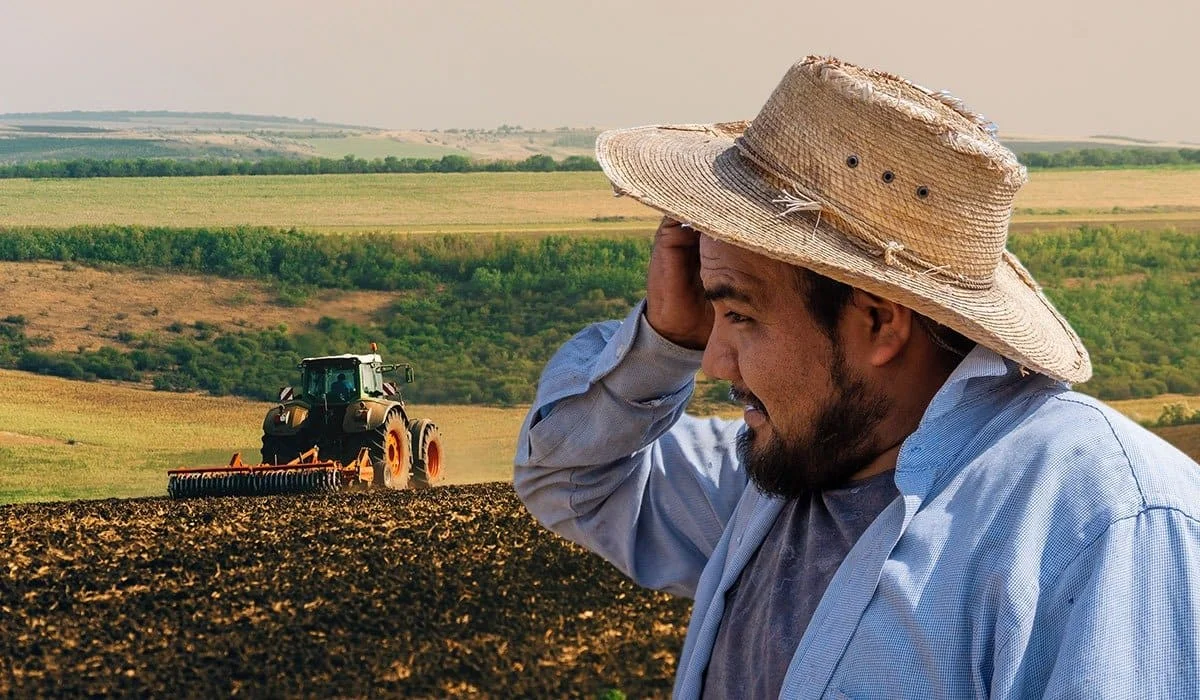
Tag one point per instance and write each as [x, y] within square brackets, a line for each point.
[1176, 414]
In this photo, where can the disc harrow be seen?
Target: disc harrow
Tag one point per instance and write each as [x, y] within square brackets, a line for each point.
[305, 474]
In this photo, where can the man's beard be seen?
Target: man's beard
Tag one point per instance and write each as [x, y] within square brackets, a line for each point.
[840, 443]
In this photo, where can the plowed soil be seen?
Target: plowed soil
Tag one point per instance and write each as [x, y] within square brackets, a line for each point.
[447, 592]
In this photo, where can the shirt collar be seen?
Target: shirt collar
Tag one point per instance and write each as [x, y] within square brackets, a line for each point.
[979, 364]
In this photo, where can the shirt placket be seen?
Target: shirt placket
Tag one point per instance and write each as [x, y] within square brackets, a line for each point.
[844, 602]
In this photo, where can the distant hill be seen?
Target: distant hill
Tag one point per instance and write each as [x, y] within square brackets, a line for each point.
[32, 136]
[1048, 144]
[165, 119]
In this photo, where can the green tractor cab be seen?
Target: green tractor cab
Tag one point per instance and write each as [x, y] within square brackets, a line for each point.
[341, 379]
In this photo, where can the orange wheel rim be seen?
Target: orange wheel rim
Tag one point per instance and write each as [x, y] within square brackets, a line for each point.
[433, 460]
[393, 453]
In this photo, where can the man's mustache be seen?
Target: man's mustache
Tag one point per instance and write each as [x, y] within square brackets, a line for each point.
[743, 397]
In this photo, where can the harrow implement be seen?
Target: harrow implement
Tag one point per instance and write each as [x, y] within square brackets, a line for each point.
[305, 474]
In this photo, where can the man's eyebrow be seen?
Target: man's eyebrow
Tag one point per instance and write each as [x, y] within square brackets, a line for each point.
[725, 291]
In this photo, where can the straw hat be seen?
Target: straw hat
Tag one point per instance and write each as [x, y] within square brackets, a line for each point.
[871, 180]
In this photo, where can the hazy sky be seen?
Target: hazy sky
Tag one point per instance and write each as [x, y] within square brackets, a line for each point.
[1045, 67]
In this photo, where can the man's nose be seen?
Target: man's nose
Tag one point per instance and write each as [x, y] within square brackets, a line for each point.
[720, 357]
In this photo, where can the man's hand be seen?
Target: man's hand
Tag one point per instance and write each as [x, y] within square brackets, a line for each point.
[675, 305]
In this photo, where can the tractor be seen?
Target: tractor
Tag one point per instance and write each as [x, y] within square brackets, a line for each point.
[344, 426]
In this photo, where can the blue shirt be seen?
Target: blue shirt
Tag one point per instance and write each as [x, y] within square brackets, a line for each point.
[1042, 545]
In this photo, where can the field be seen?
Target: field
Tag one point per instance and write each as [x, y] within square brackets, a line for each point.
[452, 592]
[82, 307]
[529, 203]
[1144, 410]
[70, 135]
[196, 134]
[68, 148]
[65, 135]
[79, 306]
[377, 146]
[63, 439]
[470, 202]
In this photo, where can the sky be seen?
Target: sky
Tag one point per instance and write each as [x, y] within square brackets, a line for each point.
[1035, 67]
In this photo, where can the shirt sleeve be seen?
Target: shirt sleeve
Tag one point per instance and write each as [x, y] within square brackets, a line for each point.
[1123, 620]
[608, 459]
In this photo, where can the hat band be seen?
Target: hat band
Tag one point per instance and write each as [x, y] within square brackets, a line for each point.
[894, 253]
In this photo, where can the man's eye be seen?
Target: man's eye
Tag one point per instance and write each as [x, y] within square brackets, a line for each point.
[735, 317]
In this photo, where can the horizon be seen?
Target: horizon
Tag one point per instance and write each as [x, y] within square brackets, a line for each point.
[1133, 141]
[1035, 69]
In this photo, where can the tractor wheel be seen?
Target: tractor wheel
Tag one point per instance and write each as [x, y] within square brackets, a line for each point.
[428, 456]
[279, 449]
[391, 453]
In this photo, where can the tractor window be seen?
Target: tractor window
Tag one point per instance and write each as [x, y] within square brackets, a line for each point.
[315, 381]
[343, 383]
[333, 382]
[371, 384]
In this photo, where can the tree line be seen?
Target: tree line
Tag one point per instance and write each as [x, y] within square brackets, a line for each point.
[171, 167]
[454, 163]
[480, 316]
[1111, 157]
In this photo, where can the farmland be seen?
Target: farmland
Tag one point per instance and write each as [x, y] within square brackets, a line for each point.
[478, 316]
[482, 313]
[85, 307]
[469, 202]
[375, 146]
[61, 439]
[131, 134]
[527, 203]
[451, 592]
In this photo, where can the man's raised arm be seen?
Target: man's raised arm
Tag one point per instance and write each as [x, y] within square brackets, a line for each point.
[608, 459]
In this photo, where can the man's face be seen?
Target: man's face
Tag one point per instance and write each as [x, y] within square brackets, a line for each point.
[810, 415]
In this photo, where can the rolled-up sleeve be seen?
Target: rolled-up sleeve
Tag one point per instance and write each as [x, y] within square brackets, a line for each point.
[607, 457]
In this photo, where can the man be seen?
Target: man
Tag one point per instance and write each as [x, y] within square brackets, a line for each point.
[915, 504]
[342, 386]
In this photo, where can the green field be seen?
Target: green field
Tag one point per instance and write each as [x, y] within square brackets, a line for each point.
[32, 148]
[567, 202]
[429, 203]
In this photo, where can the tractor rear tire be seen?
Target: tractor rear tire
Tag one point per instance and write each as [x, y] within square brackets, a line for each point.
[391, 453]
[280, 449]
[428, 456]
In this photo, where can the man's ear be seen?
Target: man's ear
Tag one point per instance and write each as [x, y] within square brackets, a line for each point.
[883, 328]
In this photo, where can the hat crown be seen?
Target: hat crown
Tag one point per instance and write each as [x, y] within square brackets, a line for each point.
[906, 173]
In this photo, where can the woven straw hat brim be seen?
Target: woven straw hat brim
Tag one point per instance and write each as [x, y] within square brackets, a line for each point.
[696, 175]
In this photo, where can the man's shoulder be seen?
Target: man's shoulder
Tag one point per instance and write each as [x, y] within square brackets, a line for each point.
[1055, 470]
[1093, 454]
[1161, 474]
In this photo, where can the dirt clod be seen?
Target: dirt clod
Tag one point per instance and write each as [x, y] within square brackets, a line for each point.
[445, 592]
